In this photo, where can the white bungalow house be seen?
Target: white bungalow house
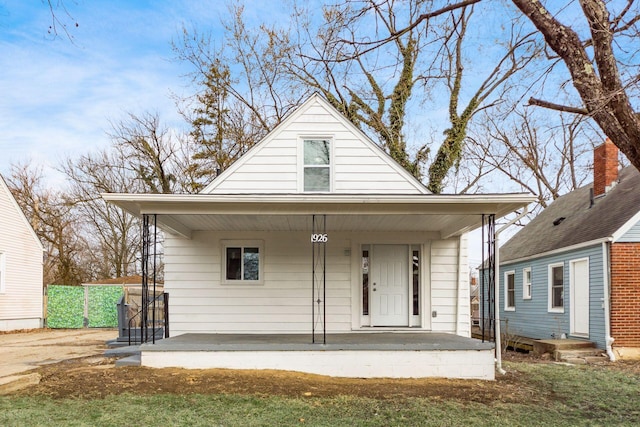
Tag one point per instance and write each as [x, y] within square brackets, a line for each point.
[20, 267]
[317, 252]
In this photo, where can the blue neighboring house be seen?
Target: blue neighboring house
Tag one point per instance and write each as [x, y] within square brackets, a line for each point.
[574, 271]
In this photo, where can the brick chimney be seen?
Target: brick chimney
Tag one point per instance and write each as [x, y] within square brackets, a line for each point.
[605, 167]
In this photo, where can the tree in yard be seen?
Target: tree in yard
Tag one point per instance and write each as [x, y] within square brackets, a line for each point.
[221, 129]
[374, 63]
[519, 51]
[153, 154]
[244, 93]
[602, 60]
[55, 223]
[113, 234]
[543, 158]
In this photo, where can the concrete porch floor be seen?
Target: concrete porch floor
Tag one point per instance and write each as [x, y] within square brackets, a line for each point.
[356, 341]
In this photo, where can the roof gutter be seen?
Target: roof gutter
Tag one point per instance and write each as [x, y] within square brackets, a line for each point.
[496, 275]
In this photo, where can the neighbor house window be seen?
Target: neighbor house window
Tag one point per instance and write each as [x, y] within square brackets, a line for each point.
[2, 273]
[510, 291]
[526, 283]
[242, 262]
[556, 287]
[317, 165]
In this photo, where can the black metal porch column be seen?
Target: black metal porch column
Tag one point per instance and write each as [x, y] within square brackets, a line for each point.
[149, 276]
[487, 278]
[319, 276]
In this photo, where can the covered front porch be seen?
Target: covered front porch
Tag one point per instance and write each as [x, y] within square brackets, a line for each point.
[393, 354]
[309, 305]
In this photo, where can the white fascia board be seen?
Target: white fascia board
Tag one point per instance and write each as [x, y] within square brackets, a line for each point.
[558, 251]
[344, 204]
[625, 227]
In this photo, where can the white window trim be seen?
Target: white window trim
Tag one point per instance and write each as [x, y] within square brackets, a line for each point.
[527, 290]
[301, 165]
[3, 273]
[506, 290]
[242, 244]
[550, 308]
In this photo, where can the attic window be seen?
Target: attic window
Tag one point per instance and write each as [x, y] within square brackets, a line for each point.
[558, 221]
[317, 165]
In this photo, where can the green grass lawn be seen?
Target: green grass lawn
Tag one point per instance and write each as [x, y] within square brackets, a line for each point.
[554, 395]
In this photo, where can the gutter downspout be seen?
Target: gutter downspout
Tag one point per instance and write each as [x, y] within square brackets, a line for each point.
[606, 272]
[496, 275]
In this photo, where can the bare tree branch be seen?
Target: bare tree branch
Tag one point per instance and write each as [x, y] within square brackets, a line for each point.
[558, 107]
[598, 81]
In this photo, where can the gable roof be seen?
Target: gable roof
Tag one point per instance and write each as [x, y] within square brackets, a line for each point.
[261, 191]
[310, 124]
[18, 210]
[570, 220]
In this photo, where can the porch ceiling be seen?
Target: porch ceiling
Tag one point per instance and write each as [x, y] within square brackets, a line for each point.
[448, 215]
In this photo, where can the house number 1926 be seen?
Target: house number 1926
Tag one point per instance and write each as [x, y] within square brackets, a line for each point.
[319, 238]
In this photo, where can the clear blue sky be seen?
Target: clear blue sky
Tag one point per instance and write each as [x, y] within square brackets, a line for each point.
[57, 97]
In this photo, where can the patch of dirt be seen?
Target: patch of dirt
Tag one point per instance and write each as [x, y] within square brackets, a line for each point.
[96, 377]
[90, 376]
[22, 351]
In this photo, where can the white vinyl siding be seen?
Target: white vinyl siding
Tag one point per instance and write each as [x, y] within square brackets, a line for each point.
[273, 165]
[450, 301]
[21, 297]
[201, 303]
[2, 273]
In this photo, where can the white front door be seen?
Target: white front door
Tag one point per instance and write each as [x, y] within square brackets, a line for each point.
[579, 297]
[390, 285]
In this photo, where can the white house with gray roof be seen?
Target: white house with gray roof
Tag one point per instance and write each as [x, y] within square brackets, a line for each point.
[317, 252]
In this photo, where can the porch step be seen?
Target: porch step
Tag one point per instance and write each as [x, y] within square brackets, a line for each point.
[120, 351]
[129, 361]
[551, 346]
[581, 356]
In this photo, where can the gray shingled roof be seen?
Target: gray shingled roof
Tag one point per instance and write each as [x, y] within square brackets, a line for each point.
[581, 223]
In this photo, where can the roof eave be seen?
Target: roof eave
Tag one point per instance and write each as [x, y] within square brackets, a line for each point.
[559, 250]
[345, 204]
